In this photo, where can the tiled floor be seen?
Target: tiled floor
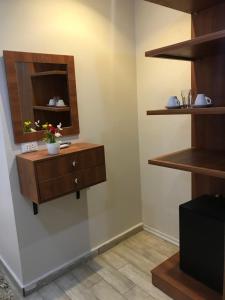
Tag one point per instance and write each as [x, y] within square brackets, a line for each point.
[120, 273]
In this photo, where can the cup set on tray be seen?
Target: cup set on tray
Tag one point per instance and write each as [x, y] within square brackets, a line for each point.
[201, 101]
[56, 101]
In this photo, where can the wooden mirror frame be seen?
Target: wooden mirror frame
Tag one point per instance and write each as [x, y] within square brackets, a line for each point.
[13, 57]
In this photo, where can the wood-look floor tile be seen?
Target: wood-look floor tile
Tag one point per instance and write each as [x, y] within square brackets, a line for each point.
[73, 289]
[150, 238]
[104, 291]
[150, 253]
[53, 292]
[143, 280]
[134, 258]
[137, 294]
[86, 276]
[111, 275]
[113, 259]
[164, 247]
[122, 272]
[34, 296]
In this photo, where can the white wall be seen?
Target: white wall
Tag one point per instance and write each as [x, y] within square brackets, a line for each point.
[100, 35]
[157, 79]
[9, 250]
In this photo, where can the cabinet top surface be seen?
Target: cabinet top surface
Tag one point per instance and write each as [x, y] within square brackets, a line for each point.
[43, 154]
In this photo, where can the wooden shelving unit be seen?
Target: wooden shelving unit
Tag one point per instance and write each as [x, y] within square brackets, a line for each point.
[205, 162]
[49, 73]
[188, 111]
[206, 157]
[188, 6]
[197, 48]
[53, 109]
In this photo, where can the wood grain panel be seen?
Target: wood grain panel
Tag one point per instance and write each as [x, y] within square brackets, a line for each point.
[25, 89]
[205, 162]
[208, 77]
[58, 166]
[207, 185]
[169, 278]
[209, 20]
[71, 182]
[93, 176]
[189, 6]
[28, 179]
[197, 48]
[188, 111]
[57, 187]
[74, 148]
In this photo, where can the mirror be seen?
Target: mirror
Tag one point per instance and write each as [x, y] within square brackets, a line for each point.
[41, 89]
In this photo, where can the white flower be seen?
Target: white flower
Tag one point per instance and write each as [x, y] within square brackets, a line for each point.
[37, 124]
[33, 130]
[59, 126]
[57, 134]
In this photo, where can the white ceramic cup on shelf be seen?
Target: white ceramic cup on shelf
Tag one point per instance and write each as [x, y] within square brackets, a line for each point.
[202, 100]
[60, 102]
[173, 102]
[52, 102]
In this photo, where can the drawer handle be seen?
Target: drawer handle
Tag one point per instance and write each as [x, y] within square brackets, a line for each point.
[74, 163]
[76, 180]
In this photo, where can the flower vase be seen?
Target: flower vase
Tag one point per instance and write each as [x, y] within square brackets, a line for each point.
[53, 148]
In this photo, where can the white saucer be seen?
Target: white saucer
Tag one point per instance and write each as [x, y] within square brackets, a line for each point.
[202, 106]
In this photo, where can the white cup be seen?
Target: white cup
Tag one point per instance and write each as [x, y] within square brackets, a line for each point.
[173, 102]
[201, 99]
[52, 102]
[60, 102]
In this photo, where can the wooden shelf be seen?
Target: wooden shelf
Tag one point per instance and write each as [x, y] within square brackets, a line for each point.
[189, 6]
[171, 280]
[205, 162]
[48, 73]
[197, 48]
[188, 111]
[48, 108]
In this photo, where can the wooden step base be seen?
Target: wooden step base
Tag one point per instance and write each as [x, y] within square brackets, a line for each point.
[176, 284]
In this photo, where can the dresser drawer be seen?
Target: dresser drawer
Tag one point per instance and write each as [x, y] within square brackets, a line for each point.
[44, 178]
[57, 167]
[92, 176]
[91, 158]
[59, 186]
[71, 182]
[61, 165]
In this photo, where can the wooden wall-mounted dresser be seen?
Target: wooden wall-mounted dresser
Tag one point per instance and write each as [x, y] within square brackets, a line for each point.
[44, 177]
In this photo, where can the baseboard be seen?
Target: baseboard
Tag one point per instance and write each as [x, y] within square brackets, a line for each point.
[162, 235]
[119, 238]
[11, 276]
[59, 271]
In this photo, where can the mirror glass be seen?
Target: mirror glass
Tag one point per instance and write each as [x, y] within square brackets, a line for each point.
[43, 92]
